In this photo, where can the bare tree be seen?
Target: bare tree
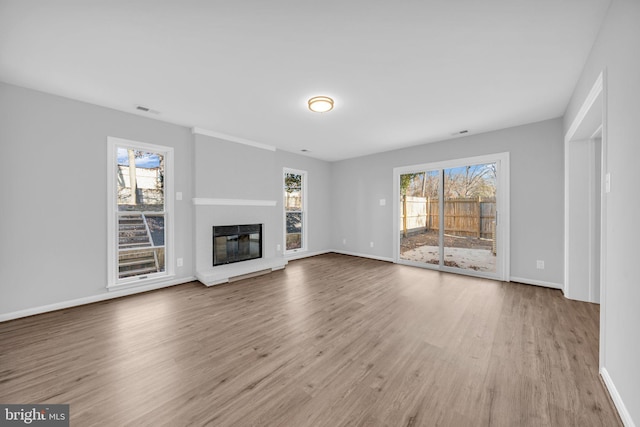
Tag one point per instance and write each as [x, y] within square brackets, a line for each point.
[133, 182]
[470, 181]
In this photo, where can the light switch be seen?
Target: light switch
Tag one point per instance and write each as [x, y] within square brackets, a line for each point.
[179, 195]
[383, 202]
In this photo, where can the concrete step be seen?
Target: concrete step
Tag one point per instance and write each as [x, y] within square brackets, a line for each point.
[132, 233]
[137, 261]
[137, 226]
[128, 245]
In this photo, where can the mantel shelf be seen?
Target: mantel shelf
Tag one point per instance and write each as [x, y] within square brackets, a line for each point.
[202, 201]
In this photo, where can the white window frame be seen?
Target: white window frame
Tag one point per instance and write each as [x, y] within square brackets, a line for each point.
[113, 281]
[305, 216]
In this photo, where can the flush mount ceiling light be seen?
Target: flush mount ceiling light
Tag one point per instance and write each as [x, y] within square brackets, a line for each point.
[320, 104]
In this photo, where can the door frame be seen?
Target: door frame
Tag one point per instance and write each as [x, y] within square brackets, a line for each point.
[591, 121]
[502, 209]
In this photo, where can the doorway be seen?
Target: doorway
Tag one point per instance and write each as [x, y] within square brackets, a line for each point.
[587, 133]
[585, 186]
[453, 216]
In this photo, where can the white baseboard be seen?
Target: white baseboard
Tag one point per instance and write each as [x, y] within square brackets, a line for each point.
[379, 258]
[300, 255]
[617, 400]
[91, 299]
[536, 282]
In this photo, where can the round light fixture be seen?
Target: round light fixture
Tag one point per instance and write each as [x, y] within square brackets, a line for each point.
[320, 104]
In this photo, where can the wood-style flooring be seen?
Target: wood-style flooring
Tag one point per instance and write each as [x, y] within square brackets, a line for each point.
[332, 340]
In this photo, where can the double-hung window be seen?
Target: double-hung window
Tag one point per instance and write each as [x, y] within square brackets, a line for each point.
[140, 211]
[295, 202]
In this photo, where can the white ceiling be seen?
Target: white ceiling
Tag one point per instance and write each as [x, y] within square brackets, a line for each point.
[401, 72]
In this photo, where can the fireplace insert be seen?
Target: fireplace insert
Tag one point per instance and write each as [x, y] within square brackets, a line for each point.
[235, 243]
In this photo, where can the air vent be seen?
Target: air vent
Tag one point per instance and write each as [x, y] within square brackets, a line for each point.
[146, 109]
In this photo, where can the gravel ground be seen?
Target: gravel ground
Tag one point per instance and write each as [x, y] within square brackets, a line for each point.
[430, 238]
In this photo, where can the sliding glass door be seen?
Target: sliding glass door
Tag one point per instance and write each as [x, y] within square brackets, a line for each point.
[448, 216]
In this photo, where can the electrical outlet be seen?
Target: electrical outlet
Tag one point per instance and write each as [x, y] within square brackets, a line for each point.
[540, 265]
[278, 247]
[371, 244]
[383, 202]
[179, 262]
[179, 195]
[344, 241]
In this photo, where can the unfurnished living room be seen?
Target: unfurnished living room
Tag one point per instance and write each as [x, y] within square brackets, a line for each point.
[338, 213]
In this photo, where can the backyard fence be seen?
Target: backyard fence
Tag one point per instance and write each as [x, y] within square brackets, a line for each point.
[470, 217]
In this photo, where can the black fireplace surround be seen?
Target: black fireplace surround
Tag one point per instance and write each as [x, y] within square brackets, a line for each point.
[235, 243]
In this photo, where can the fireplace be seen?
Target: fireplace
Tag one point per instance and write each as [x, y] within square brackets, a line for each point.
[235, 243]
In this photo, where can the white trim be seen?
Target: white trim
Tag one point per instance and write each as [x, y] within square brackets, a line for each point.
[204, 201]
[231, 138]
[378, 258]
[112, 219]
[592, 97]
[617, 399]
[586, 106]
[94, 298]
[135, 281]
[396, 214]
[304, 254]
[502, 209]
[598, 133]
[536, 282]
[598, 89]
[604, 170]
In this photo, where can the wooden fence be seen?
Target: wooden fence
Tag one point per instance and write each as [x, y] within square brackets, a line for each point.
[473, 217]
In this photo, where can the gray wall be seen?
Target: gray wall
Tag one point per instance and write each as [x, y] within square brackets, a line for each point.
[53, 181]
[617, 51]
[537, 195]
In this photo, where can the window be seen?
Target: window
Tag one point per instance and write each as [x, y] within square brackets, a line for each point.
[140, 211]
[295, 202]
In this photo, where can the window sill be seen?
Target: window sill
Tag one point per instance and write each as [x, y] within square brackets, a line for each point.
[156, 281]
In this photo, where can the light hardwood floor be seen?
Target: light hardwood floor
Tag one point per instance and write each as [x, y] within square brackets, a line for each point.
[332, 340]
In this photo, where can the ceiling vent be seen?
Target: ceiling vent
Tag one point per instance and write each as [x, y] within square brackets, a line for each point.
[146, 109]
